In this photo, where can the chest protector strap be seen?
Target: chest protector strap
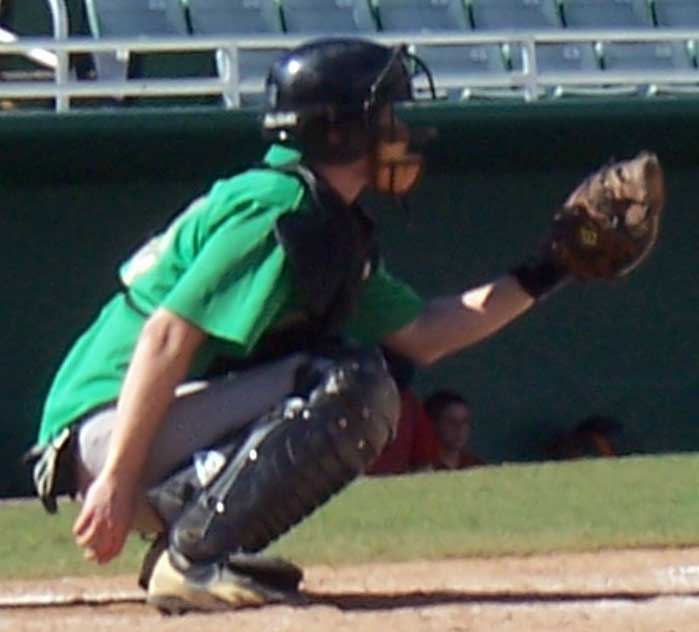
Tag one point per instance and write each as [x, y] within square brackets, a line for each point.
[331, 248]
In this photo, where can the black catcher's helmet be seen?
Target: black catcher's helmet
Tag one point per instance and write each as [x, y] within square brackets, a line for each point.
[330, 82]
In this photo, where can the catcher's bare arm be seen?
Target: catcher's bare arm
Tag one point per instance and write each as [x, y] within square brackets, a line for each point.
[451, 323]
[605, 229]
[160, 362]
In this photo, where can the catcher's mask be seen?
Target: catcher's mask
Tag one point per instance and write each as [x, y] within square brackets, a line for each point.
[335, 98]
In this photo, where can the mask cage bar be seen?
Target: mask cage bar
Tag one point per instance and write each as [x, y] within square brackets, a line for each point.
[428, 73]
[403, 54]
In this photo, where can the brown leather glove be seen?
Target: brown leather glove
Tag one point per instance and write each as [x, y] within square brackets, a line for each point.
[610, 223]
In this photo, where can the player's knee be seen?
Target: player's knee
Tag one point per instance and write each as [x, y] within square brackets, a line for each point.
[364, 393]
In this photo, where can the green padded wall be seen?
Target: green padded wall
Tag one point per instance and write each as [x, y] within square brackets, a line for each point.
[80, 190]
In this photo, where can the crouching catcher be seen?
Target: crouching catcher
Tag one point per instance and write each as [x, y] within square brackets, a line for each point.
[235, 383]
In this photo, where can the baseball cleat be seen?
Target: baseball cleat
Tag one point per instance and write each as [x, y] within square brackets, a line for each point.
[205, 587]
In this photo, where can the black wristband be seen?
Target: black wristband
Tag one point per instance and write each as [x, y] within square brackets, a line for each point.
[540, 277]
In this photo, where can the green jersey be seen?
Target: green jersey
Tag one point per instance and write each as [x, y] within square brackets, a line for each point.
[220, 266]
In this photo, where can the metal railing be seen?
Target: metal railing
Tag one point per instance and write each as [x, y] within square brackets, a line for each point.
[64, 88]
[59, 62]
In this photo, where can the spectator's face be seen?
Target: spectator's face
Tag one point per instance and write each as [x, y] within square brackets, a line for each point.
[454, 426]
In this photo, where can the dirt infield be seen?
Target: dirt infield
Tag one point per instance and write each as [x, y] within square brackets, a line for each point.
[630, 591]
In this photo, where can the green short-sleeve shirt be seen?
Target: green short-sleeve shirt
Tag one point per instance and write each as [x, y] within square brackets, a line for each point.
[218, 265]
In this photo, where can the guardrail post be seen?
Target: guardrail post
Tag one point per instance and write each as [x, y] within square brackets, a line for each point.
[531, 87]
[227, 61]
[59, 16]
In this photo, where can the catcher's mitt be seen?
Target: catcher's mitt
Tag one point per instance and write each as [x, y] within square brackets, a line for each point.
[610, 223]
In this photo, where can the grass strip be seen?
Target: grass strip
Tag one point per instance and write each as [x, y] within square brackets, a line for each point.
[517, 509]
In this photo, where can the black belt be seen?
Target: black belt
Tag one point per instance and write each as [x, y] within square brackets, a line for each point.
[132, 304]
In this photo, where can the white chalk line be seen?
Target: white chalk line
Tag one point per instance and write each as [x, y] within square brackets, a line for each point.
[47, 599]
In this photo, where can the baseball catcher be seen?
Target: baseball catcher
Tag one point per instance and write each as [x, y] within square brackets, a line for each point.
[237, 380]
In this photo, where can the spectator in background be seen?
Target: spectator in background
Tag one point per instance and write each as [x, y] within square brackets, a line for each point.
[433, 436]
[446, 447]
[591, 436]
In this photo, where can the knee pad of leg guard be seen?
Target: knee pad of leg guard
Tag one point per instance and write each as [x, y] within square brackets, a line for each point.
[293, 461]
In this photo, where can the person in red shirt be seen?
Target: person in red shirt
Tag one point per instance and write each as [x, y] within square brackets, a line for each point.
[443, 444]
[397, 457]
[431, 436]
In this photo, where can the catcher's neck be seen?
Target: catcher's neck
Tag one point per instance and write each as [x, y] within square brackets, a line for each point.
[348, 181]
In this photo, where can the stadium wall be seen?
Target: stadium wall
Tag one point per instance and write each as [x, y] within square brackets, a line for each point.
[81, 190]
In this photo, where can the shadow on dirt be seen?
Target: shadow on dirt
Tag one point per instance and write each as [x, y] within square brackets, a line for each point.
[381, 601]
[417, 599]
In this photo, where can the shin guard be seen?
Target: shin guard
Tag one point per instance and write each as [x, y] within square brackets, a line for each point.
[290, 462]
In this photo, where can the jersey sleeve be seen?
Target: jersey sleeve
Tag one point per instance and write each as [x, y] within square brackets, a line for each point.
[385, 305]
[238, 282]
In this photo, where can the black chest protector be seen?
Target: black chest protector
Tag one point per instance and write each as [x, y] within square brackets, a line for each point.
[332, 250]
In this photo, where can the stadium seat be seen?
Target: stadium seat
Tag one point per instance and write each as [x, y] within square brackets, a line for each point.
[422, 15]
[604, 15]
[571, 58]
[116, 18]
[557, 58]
[645, 56]
[607, 14]
[454, 66]
[639, 58]
[677, 13]
[566, 57]
[681, 14]
[518, 15]
[240, 17]
[450, 64]
[635, 59]
[131, 18]
[328, 16]
[515, 14]
[234, 17]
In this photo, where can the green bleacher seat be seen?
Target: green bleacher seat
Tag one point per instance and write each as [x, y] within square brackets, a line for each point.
[144, 18]
[422, 15]
[607, 14]
[240, 17]
[328, 16]
[677, 13]
[515, 14]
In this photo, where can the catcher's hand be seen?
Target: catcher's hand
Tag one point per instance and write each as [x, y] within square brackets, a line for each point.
[610, 223]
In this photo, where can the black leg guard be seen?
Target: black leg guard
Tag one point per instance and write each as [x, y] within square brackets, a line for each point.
[290, 462]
